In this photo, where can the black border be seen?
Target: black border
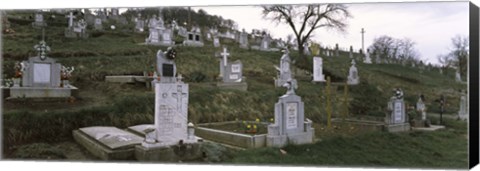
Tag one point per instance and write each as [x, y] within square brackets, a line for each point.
[473, 89]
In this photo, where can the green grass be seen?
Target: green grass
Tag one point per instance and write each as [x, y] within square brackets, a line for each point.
[439, 149]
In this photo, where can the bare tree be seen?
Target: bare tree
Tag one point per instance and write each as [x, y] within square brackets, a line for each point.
[398, 50]
[459, 53]
[305, 19]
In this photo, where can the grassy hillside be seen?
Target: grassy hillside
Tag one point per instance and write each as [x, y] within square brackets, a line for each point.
[119, 52]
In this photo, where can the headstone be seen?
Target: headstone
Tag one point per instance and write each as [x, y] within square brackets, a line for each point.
[368, 60]
[350, 54]
[337, 53]
[98, 24]
[265, 44]
[463, 109]
[318, 69]
[458, 78]
[421, 121]
[397, 120]
[39, 21]
[306, 51]
[243, 39]
[194, 38]
[41, 77]
[216, 42]
[166, 68]
[353, 78]
[290, 125]
[231, 73]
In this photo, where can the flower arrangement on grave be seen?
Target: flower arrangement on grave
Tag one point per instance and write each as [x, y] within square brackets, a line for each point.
[18, 70]
[66, 72]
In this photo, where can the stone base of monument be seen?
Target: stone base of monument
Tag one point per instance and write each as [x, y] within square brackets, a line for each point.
[418, 123]
[430, 128]
[236, 85]
[193, 43]
[187, 151]
[41, 92]
[170, 153]
[402, 127]
[160, 43]
[108, 143]
[296, 138]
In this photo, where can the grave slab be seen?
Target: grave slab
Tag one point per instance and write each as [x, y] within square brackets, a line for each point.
[108, 143]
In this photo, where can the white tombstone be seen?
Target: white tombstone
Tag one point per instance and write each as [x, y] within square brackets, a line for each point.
[422, 109]
[368, 60]
[216, 42]
[318, 70]
[458, 78]
[353, 78]
[463, 110]
[98, 24]
[397, 119]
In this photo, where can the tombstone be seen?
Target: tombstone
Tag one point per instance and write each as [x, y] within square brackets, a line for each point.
[367, 57]
[350, 54]
[463, 109]
[194, 38]
[76, 29]
[98, 24]
[41, 77]
[89, 17]
[353, 78]
[421, 120]
[458, 78]
[306, 51]
[139, 24]
[243, 39]
[290, 126]
[337, 53]
[318, 70]
[396, 120]
[216, 42]
[284, 72]
[265, 43]
[39, 21]
[231, 73]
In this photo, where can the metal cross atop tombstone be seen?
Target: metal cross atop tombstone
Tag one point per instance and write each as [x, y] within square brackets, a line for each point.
[225, 55]
[70, 19]
[363, 32]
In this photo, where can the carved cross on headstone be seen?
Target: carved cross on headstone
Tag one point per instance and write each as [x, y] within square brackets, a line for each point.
[70, 19]
[225, 55]
[179, 95]
[42, 49]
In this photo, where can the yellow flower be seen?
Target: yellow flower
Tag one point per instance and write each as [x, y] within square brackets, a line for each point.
[254, 126]
[258, 120]
[271, 119]
[248, 126]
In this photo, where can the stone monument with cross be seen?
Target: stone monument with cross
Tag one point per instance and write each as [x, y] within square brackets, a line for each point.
[353, 78]
[231, 73]
[290, 126]
[41, 77]
[420, 120]
[396, 119]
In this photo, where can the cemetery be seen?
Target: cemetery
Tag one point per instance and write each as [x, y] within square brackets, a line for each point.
[138, 94]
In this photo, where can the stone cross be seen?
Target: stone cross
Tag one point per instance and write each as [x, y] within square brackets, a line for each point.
[70, 19]
[363, 32]
[225, 55]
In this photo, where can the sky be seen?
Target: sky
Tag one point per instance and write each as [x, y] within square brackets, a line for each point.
[431, 25]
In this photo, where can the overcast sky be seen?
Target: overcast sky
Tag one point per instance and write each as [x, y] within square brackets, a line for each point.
[431, 25]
